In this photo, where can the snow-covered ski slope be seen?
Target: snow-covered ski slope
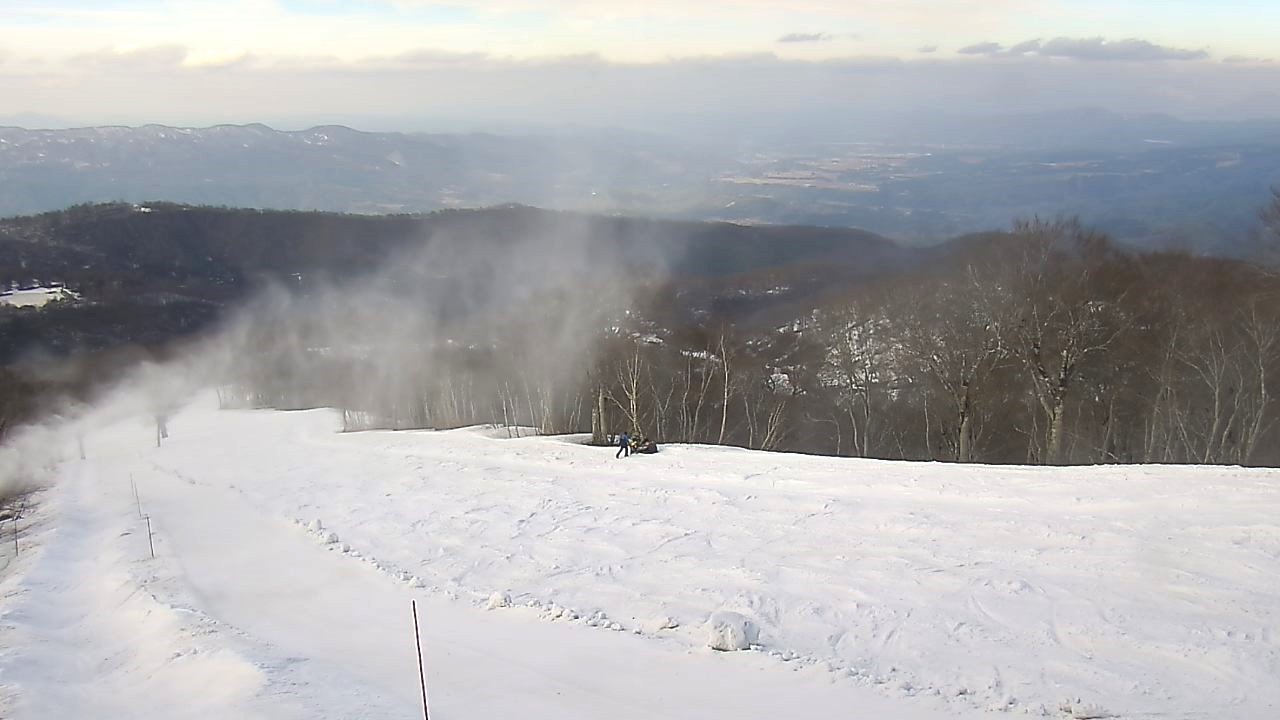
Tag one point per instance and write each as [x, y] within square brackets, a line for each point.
[287, 554]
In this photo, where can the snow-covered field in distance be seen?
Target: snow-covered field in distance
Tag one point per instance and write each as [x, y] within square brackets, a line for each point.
[36, 297]
[287, 554]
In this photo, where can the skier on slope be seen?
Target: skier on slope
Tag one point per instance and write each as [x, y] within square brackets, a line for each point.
[624, 445]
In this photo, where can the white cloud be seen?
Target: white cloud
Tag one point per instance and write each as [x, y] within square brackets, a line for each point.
[801, 37]
[1092, 49]
[217, 58]
[1246, 60]
[618, 29]
[982, 48]
[1128, 49]
[153, 58]
[703, 93]
[599, 60]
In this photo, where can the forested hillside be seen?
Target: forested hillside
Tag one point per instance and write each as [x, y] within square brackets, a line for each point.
[1045, 344]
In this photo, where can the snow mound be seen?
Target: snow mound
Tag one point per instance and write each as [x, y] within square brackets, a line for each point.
[729, 631]
[556, 612]
[660, 623]
[1079, 710]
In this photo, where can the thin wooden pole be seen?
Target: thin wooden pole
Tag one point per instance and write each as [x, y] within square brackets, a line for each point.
[17, 513]
[422, 675]
[150, 542]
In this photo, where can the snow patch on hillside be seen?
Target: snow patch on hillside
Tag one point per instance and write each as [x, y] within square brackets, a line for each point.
[36, 296]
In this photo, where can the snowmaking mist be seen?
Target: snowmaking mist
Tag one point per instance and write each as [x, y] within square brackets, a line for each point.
[494, 322]
[145, 395]
[476, 326]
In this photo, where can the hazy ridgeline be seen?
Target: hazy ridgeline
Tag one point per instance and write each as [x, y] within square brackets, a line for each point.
[932, 175]
[1046, 345]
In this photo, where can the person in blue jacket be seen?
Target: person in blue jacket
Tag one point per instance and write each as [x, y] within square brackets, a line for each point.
[624, 445]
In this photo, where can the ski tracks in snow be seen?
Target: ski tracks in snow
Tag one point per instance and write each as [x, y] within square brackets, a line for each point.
[92, 596]
[244, 614]
[1044, 573]
[1138, 592]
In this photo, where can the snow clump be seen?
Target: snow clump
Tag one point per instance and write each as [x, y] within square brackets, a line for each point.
[660, 623]
[729, 631]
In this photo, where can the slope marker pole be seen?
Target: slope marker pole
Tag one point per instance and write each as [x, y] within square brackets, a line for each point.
[422, 675]
[150, 542]
[17, 513]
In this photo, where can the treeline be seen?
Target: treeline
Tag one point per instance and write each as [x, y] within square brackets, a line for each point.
[1043, 345]
[1053, 347]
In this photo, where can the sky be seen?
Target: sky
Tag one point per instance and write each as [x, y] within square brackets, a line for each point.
[624, 62]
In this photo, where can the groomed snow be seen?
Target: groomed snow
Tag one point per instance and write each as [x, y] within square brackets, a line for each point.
[557, 582]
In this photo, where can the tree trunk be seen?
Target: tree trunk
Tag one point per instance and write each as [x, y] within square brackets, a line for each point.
[597, 418]
[724, 412]
[964, 444]
[1053, 444]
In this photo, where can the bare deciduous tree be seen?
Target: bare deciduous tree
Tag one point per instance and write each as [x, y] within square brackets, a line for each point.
[1066, 315]
[956, 339]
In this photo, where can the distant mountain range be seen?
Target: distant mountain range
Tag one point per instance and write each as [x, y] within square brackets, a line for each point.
[1152, 181]
[329, 168]
[1082, 128]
